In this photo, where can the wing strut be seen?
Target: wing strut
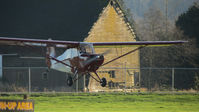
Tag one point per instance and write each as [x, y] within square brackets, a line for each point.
[124, 55]
[60, 61]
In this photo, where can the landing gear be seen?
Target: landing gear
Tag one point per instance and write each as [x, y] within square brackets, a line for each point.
[103, 82]
[73, 79]
[70, 81]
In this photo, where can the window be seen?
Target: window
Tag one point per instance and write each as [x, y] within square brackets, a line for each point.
[45, 76]
[112, 74]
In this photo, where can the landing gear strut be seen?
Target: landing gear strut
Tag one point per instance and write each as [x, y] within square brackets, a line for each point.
[102, 81]
[73, 79]
[70, 79]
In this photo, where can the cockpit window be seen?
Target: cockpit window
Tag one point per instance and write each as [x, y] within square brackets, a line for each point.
[82, 49]
[86, 48]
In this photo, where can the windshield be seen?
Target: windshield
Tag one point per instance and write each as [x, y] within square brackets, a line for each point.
[86, 48]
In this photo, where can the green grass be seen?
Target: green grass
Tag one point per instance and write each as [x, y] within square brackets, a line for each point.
[113, 102]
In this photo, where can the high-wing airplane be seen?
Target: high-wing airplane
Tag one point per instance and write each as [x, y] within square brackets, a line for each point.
[80, 57]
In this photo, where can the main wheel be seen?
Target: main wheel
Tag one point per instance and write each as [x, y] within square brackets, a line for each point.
[70, 81]
[103, 82]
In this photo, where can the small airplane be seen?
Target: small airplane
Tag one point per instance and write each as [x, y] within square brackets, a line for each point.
[80, 57]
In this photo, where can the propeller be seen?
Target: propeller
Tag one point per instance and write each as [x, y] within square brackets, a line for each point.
[106, 52]
[87, 62]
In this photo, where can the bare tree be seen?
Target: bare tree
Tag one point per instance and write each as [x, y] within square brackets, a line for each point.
[152, 28]
[156, 26]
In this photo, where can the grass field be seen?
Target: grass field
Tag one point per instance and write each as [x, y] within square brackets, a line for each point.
[113, 102]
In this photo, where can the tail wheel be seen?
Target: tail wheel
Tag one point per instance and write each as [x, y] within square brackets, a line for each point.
[103, 82]
[69, 81]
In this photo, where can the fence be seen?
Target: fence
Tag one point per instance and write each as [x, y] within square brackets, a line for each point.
[38, 79]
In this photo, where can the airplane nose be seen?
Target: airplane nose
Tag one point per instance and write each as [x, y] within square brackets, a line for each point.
[101, 57]
[94, 62]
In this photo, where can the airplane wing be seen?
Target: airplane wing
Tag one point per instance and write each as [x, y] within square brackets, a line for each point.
[37, 42]
[136, 44]
[72, 44]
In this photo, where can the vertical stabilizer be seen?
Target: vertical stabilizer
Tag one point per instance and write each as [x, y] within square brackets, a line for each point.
[50, 52]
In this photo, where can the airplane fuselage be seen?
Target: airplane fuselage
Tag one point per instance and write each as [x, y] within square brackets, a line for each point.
[83, 62]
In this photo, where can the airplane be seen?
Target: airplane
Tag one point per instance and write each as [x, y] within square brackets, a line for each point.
[80, 58]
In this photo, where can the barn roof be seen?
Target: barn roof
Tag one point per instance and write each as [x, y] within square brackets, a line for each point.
[121, 12]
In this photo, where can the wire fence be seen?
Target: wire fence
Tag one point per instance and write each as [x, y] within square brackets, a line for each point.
[39, 79]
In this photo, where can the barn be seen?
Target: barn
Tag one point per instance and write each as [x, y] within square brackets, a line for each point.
[113, 26]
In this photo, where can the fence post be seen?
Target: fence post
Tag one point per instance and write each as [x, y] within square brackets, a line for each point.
[77, 82]
[139, 78]
[125, 77]
[173, 73]
[150, 70]
[84, 86]
[29, 80]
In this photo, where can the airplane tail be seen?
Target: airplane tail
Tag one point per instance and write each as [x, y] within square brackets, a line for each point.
[50, 52]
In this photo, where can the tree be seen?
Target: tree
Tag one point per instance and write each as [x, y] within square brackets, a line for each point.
[155, 27]
[188, 22]
[152, 28]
